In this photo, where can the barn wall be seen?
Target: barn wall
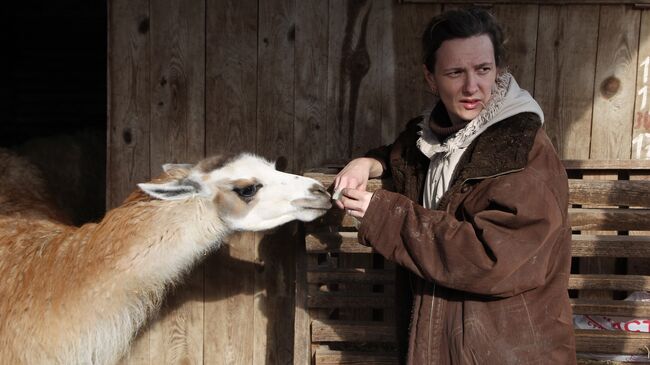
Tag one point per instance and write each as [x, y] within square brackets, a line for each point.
[312, 82]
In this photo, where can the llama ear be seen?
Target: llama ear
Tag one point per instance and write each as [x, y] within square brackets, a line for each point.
[173, 166]
[174, 190]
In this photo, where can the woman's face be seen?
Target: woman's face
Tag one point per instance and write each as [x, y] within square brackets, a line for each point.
[464, 74]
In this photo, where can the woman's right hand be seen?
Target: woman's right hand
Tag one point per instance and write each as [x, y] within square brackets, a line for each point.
[355, 175]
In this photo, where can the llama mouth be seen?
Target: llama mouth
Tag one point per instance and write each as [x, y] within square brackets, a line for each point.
[315, 204]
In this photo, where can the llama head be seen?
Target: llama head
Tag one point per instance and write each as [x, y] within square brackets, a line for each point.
[247, 191]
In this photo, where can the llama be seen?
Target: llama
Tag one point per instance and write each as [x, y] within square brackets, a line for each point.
[78, 295]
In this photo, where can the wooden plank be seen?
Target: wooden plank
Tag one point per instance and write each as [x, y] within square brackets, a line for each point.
[231, 76]
[274, 284]
[128, 117]
[341, 331]
[613, 342]
[358, 275]
[609, 219]
[609, 282]
[354, 80]
[618, 37]
[301, 320]
[405, 94]
[613, 192]
[310, 126]
[231, 120]
[519, 22]
[329, 357]
[606, 164]
[335, 242]
[229, 302]
[610, 246]
[128, 99]
[641, 129]
[564, 76]
[350, 300]
[177, 135]
[608, 307]
[177, 83]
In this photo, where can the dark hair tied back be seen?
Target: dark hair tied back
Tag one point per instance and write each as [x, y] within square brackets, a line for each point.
[461, 23]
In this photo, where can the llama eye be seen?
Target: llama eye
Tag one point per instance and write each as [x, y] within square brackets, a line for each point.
[247, 191]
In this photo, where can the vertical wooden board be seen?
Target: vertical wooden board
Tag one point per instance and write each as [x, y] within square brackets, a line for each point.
[178, 82]
[301, 326]
[178, 135]
[310, 130]
[275, 81]
[354, 78]
[641, 129]
[229, 312]
[274, 296]
[615, 89]
[519, 24]
[274, 283]
[564, 75]
[405, 94]
[231, 76]
[128, 98]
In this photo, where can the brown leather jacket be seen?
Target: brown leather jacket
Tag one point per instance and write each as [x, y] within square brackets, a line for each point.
[492, 262]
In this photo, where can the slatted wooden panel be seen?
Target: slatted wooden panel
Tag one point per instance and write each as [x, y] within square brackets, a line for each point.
[628, 208]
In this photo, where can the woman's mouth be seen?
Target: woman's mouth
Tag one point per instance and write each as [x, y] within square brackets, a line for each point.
[471, 104]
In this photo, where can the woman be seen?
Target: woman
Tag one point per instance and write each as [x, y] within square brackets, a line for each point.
[480, 209]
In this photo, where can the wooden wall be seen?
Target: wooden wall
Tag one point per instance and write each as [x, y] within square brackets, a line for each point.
[314, 82]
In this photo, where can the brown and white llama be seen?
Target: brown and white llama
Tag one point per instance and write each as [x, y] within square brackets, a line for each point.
[78, 295]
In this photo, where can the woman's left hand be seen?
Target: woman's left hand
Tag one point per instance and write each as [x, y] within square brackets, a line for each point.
[355, 202]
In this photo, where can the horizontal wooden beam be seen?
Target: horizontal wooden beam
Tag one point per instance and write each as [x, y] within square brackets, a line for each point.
[329, 357]
[609, 282]
[637, 3]
[612, 342]
[610, 246]
[608, 307]
[610, 192]
[353, 331]
[609, 219]
[350, 300]
[353, 276]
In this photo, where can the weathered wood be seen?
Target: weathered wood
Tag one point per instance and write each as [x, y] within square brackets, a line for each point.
[610, 246]
[301, 326]
[519, 23]
[335, 242]
[358, 275]
[613, 342]
[231, 76]
[541, 2]
[311, 84]
[606, 164]
[337, 331]
[564, 76]
[612, 192]
[609, 307]
[329, 357]
[128, 99]
[641, 128]
[350, 300]
[229, 302]
[609, 282]
[609, 219]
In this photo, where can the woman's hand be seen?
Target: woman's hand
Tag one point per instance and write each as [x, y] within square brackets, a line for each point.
[355, 202]
[355, 176]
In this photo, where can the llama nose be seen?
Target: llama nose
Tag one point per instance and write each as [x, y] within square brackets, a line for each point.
[318, 189]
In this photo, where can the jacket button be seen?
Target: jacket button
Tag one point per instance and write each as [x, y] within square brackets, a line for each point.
[465, 188]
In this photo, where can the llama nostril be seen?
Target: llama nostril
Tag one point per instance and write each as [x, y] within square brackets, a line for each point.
[318, 189]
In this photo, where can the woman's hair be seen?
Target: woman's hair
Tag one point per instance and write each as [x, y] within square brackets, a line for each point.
[461, 23]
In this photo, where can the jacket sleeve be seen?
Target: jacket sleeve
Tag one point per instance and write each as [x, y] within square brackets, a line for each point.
[500, 241]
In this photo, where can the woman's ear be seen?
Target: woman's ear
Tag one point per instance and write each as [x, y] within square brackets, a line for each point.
[430, 80]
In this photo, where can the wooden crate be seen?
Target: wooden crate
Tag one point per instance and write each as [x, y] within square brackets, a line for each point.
[345, 291]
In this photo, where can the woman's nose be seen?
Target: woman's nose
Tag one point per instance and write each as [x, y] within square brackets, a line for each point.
[471, 84]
